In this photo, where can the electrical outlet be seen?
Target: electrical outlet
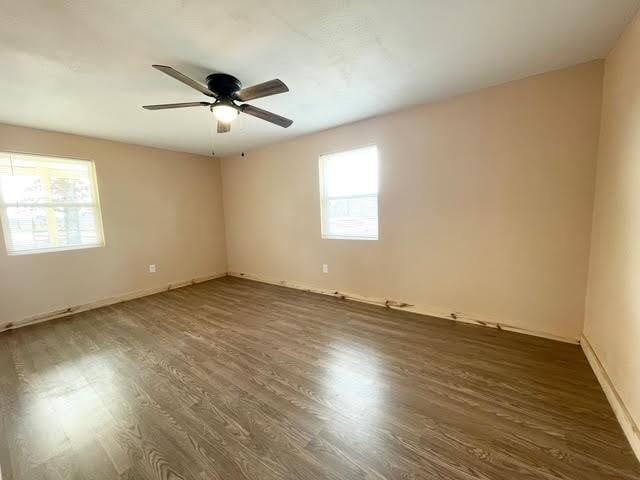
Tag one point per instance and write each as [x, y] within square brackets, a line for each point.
[325, 268]
[152, 268]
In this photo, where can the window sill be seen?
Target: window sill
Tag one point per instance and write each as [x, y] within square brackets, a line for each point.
[52, 250]
[337, 237]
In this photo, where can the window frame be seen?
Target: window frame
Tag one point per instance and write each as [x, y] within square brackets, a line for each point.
[324, 199]
[4, 218]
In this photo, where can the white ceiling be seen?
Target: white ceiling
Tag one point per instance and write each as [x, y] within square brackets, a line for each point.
[85, 66]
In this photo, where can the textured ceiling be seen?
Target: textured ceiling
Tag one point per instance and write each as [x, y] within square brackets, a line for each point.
[85, 66]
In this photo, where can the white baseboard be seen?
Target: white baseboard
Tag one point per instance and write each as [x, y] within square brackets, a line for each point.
[421, 310]
[43, 317]
[406, 307]
[629, 426]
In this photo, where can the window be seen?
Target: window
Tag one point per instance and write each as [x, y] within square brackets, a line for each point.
[48, 204]
[349, 194]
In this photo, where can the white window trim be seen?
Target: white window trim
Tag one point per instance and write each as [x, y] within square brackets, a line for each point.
[324, 199]
[4, 220]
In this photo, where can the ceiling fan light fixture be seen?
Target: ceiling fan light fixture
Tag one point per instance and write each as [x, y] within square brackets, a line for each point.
[226, 89]
[224, 113]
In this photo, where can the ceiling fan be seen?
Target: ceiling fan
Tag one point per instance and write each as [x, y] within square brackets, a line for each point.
[226, 90]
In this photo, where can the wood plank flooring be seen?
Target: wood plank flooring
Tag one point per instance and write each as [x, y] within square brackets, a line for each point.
[233, 379]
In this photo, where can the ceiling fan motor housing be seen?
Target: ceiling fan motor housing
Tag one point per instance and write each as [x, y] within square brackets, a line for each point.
[223, 84]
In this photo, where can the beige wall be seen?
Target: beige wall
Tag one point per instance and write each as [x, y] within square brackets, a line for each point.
[612, 324]
[157, 206]
[485, 205]
[485, 210]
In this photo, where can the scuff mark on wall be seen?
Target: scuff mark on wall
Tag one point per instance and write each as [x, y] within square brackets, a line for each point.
[395, 303]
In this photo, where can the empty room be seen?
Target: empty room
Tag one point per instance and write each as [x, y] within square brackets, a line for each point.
[320, 240]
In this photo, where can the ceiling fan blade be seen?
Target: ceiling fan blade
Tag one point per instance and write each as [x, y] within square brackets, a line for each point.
[264, 115]
[165, 106]
[184, 79]
[272, 87]
[224, 127]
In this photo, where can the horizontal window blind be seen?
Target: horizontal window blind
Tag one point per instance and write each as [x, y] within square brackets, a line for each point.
[48, 204]
[349, 194]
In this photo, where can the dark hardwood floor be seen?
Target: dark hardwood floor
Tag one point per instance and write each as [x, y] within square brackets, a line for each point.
[233, 379]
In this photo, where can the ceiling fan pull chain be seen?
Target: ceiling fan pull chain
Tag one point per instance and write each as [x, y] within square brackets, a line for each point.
[213, 140]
